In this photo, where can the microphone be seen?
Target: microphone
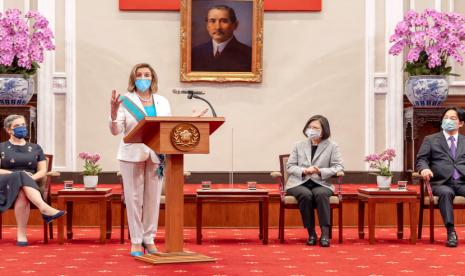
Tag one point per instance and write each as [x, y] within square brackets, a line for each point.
[188, 91]
[194, 94]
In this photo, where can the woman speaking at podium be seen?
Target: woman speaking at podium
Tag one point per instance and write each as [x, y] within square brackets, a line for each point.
[140, 167]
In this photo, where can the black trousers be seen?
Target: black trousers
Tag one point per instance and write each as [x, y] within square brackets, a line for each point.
[310, 196]
[446, 194]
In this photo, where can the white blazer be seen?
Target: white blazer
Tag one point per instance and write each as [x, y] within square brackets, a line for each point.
[125, 122]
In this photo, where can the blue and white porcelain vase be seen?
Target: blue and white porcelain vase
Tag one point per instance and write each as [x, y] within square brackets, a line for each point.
[15, 89]
[426, 90]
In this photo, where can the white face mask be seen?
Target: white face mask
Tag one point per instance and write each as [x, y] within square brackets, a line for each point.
[313, 133]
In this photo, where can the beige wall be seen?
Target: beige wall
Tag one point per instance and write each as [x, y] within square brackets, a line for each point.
[313, 63]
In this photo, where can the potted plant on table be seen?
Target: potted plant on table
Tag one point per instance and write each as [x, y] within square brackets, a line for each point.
[91, 169]
[23, 40]
[430, 38]
[382, 163]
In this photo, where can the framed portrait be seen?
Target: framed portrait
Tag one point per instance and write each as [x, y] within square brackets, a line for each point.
[221, 41]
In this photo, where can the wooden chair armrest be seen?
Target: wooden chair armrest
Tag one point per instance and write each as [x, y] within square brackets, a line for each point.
[430, 191]
[340, 176]
[275, 174]
[53, 173]
[417, 176]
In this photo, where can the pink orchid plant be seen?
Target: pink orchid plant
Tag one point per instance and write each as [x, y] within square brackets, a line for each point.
[381, 162]
[90, 163]
[431, 38]
[23, 41]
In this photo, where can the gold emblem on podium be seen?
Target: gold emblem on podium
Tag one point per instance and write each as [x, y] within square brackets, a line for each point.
[185, 137]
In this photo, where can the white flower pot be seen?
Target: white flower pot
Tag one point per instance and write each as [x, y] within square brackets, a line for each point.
[90, 181]
[384, 182]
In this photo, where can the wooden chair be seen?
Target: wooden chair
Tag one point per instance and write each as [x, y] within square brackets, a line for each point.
[290, 202]
[123, 205]
[430, 202]
[45, 189]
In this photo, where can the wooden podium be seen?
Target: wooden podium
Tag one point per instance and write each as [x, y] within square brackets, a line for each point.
[175, 136]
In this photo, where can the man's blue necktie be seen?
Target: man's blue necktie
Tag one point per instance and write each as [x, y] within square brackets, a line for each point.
[453, 149]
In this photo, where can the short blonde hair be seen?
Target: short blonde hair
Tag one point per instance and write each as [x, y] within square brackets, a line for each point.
[10, 119]
[132, 78]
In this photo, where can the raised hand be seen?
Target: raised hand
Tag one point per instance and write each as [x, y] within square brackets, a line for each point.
[115, 102]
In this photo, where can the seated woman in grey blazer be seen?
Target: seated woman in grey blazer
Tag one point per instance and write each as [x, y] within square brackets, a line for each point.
[310, 166]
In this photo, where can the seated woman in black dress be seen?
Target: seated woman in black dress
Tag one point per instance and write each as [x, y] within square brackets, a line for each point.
[21, 165]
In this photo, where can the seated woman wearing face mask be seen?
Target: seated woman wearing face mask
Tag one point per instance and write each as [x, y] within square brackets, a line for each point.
[311, 164]
[21, 165]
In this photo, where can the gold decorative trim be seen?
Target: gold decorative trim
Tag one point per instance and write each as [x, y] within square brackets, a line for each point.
[254, 76]
[185, 137]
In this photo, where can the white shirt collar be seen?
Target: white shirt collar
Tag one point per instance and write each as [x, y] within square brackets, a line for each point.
[220, 46]
[447, 135]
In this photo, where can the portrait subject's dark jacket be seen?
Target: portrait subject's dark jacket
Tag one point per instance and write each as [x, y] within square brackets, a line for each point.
[434, 154]
[235, 57]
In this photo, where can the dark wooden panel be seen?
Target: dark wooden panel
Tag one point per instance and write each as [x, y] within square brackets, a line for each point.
[28, 111]
[239, 215]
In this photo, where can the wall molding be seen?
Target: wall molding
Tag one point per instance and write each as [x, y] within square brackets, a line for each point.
[70, 67]
[45, 99]
[370, 32]
[394, 98]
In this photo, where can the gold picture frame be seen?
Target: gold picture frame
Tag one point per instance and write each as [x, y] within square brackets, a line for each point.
[207, 66]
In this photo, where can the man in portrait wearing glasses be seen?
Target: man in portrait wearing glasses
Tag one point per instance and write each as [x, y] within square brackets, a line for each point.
[223, 53]
[441, 160]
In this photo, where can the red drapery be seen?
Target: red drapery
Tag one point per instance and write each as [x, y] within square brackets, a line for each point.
[270, 5]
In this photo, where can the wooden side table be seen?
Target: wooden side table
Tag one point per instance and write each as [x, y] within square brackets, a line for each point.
[235, 195]
[102, 196]
[373, 196]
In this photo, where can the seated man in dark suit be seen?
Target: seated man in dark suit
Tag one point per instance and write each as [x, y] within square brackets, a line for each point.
[223, 53]
[441, 159]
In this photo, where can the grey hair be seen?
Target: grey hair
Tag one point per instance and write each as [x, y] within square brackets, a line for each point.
[9, 120]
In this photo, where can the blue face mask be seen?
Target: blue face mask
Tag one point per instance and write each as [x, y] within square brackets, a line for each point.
[143, 84]
[20, 132]
[448, 125]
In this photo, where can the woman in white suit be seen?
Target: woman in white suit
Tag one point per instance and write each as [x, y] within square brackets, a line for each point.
[139, 165]
[310, 165]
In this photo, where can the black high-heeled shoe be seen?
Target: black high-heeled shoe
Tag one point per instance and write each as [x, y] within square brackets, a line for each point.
[324, 242]
[312, 240]
[49, 219]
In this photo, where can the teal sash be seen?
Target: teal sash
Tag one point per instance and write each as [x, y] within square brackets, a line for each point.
[138, 114]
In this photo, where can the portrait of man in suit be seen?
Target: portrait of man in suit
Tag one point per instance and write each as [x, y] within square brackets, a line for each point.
[223, 52]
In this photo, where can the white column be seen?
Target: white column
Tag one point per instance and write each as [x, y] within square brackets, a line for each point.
[70, 67]
[370, 21]
[394, 98]
[45, 100]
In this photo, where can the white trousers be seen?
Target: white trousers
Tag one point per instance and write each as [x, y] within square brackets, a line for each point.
[142, 193]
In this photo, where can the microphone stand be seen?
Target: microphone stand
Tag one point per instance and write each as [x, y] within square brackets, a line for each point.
[191, 95]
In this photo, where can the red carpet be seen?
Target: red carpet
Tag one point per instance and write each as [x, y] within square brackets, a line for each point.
[239, 253]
